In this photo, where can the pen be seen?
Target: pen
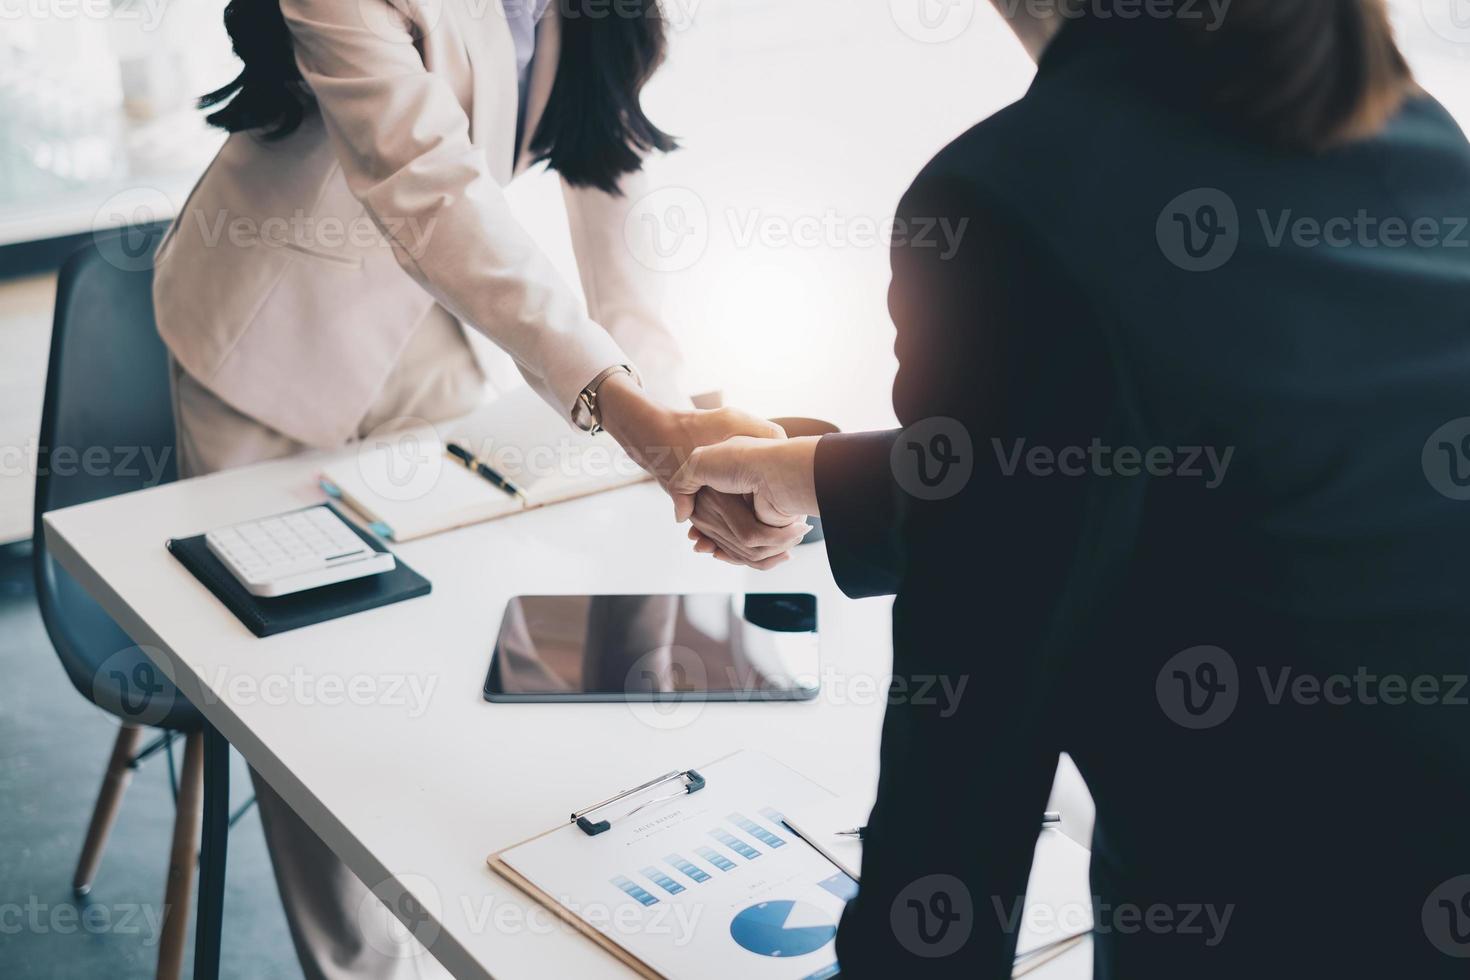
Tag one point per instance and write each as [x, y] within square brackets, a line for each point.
[1047, 819]
[484, 469]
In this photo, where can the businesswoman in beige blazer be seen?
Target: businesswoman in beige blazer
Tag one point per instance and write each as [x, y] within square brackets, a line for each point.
[335, 265]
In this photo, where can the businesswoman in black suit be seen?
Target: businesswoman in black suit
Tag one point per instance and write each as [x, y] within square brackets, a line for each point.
[1183, 492]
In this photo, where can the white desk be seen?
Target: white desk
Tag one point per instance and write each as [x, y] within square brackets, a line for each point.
[414, 793]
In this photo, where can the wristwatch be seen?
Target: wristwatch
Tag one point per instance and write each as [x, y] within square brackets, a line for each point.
[587, 411]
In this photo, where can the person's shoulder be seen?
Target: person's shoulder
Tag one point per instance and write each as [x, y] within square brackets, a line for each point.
[967, 166]
[1423, 122]
[991, 167]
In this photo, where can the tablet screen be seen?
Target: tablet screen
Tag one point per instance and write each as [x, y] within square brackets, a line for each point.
[720, 646]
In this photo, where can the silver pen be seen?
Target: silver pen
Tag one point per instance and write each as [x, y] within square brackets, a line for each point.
[1047, 819]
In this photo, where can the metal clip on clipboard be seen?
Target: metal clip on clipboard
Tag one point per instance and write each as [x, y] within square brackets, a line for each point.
[693, 782]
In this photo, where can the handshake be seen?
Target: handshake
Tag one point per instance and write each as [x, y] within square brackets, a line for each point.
[744, 487]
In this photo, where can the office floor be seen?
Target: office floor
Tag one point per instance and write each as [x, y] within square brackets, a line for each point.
[53, 748]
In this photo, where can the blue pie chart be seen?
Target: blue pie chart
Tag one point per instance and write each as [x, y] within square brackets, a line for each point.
[782, 928]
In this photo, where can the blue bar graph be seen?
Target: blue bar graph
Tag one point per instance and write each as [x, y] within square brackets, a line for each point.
[662, 880]
[841, 886]
[639, 895]
[773, 815]
[735, 844]
[755, 830]
[716, 858]
[692, 870]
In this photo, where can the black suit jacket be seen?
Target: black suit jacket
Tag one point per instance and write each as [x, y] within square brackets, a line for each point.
[1257, 657]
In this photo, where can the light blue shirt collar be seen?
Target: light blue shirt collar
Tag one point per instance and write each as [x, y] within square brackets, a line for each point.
[523, 16]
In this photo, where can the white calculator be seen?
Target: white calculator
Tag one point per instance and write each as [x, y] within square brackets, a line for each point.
[301, 550]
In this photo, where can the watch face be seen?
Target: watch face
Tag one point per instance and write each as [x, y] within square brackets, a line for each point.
[584, 414]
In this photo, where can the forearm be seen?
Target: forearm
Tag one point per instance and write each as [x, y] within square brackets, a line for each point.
[640, 423]
[403, 141]
[503, 286]
[662, 438]
[624, 295]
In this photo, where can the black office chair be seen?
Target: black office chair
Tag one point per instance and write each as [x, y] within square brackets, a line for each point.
[106, 423]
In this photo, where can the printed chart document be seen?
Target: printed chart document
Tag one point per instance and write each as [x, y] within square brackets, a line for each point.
[710, 885]
[1058, 908]
[1057, 912]
[819, 823]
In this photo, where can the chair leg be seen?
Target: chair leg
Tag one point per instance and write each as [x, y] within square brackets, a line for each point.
[172, 942]
[109, 800]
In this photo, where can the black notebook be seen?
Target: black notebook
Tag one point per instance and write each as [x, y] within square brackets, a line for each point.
[268, 615]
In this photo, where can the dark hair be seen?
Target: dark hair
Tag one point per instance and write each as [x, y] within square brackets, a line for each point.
[1302, 74]
[268, 94]
[592, 131]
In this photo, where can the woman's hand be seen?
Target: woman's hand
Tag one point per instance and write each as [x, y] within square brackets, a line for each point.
[660, 439]
[778, 475]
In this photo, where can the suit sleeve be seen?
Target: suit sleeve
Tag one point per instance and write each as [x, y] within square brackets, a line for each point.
[861, 510]
[403, 140]
[993, 339]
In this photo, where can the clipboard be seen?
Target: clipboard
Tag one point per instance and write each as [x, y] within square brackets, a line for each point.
[556, 909]
[693, 783]
[690, 817]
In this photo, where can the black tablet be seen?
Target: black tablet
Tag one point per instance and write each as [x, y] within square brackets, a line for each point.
[703, 647]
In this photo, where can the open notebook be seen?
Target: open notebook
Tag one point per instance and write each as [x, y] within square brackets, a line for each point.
[408, 485]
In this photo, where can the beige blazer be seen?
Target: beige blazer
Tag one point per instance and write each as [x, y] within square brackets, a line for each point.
[298, 268]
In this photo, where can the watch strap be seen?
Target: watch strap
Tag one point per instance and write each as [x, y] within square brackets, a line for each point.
[587, 413]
